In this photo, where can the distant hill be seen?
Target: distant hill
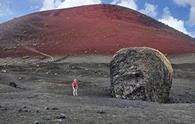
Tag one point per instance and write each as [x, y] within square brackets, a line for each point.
[89, 29]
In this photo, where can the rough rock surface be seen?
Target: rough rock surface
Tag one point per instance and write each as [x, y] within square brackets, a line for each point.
[141, 73]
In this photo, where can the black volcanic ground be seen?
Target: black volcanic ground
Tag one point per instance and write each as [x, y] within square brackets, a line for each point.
[44, 94]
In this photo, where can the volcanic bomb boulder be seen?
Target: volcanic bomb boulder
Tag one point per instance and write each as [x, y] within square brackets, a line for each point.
[141, 73]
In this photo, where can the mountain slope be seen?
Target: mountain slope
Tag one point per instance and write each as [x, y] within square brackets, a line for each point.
[89, 29]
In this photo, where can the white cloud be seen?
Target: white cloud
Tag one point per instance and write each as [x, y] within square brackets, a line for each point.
[58, 4]
[126, 3]
[50, 4]
[169, 20]
[73, 3]
[191, 3]
[150, 10]
[192, 15]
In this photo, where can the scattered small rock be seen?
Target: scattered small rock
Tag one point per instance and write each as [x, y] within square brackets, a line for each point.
[23, 110]
[101, 112]
[46, 108]
[43, 57]
[61, 116]
[36, 122]
[19, 110]
[4, 71]
[20, 78]
[55, 108]
[59, 120]
[72, 67]
[26, 110]
[37, 111]
[25, 57]
[47, 118]
[13, 84]
[34, 44]
[4, 109]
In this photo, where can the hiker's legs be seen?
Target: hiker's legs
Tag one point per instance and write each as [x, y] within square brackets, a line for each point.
[76, 91]
[73, 91]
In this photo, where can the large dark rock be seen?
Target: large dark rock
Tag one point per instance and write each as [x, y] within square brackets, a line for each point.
[13, 84]
[141, 73]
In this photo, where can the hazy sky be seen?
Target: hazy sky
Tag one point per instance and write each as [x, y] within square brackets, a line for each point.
[179, 14]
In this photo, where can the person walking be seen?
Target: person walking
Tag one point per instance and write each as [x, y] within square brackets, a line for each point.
[75, 87]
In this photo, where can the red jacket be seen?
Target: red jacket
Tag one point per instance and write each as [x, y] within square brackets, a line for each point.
[75, 84]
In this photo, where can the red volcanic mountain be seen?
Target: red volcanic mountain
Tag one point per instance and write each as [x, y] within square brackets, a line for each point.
[89, 29]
